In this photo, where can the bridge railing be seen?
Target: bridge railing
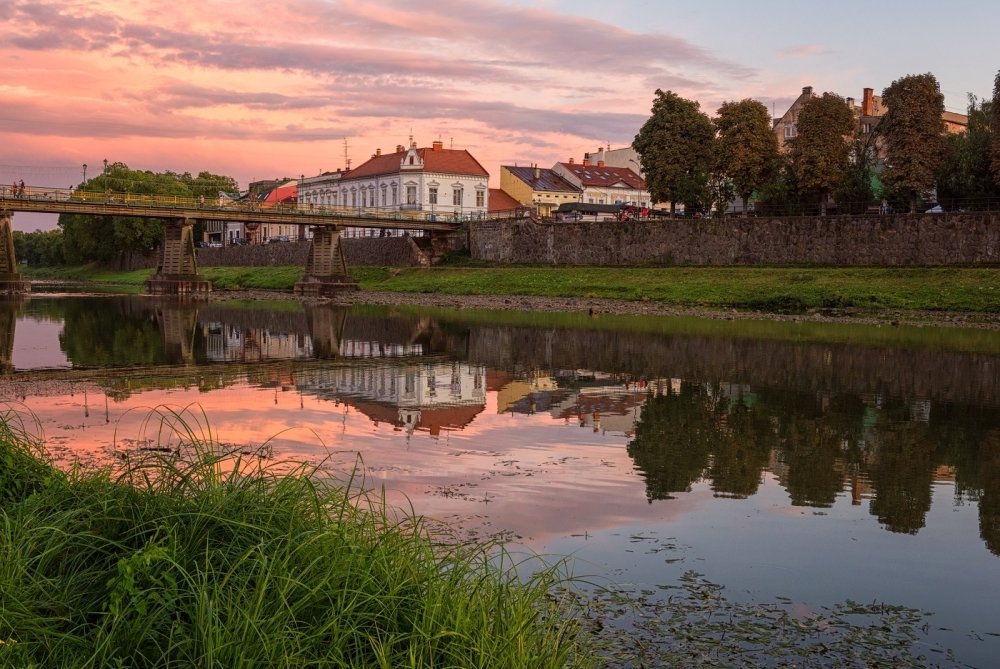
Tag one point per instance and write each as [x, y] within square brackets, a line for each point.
[374, 214]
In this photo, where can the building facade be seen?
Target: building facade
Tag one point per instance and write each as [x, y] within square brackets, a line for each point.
[542, 189]
[599, 183]
[431, 183]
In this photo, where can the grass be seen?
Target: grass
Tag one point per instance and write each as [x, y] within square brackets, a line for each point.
[773, 289]
[226, 560]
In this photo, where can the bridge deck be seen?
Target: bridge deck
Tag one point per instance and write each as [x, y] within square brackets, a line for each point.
[67, 201]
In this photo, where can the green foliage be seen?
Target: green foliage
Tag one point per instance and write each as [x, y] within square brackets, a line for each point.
[107, 238]
[747, 146]
[820, 151]
[964, 180]
[914, 134]
[676, 149]
[210, 559]
[855, 193]
[995, 131]
[40, 247]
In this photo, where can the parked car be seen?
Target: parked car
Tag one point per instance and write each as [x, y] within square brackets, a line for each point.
[278, 239]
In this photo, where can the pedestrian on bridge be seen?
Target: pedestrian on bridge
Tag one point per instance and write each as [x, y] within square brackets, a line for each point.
[20, 188]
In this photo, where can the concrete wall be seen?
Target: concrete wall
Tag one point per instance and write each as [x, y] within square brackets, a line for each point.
[900, 240]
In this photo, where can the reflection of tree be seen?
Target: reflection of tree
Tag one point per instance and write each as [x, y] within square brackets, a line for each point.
[816, 444]
[902, 474]
[673, 440]
[742, 453]
[989, 499]
[110, 332]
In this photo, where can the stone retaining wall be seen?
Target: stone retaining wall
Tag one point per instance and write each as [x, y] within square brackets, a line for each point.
[881, 241]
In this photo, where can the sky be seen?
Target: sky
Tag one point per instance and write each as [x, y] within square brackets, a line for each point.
[268, 90]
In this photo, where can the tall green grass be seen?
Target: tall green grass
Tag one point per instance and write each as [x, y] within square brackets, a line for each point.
[202, 558]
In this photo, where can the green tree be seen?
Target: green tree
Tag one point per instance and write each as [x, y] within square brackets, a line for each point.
[820, 152]
[964, 178]
[107, 239]
[913, 133]
[995, 127]
[855, 192]
[675, 147]
[40, 247]
[747, 146]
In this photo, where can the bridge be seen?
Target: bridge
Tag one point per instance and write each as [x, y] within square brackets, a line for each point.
[177, 269]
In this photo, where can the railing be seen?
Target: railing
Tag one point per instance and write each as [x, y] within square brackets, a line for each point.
[133, 200]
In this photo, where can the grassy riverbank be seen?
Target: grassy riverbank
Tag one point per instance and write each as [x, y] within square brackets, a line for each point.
[219, 562]
[776, 289]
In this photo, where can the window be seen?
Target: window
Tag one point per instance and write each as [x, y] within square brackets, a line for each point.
[411, 195]
[433, 195]
[456, 197]
[394, 197]
[480, 198]
[354, 198]
[790, 132]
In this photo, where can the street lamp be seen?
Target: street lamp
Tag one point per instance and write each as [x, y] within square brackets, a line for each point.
[85, 173]
[105, 165]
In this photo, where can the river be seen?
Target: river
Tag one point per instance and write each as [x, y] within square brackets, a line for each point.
[798, 463]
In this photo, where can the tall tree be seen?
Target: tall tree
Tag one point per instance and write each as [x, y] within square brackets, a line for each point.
[964, 179]
[675, 147]
[109, 238]
[995, 129]
[914, 134]
[747, 146]
[821, 150]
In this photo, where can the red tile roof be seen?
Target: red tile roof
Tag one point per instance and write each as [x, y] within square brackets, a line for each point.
[438, 160]
[501, 201]
[603, 175]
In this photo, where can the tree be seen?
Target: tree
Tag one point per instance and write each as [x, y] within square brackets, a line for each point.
[995, 129]
[855, 192]
[820, 151]
[914, 134]
[747, 146]
[964, 179]
[109, 238]
[675, 147]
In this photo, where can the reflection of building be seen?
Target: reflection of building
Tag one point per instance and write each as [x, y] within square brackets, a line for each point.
[229, 343]
[431, 397]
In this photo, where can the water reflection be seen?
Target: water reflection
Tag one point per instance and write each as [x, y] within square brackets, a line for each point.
[559, 430]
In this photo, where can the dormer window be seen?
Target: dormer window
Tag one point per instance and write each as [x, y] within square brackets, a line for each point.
[411, 160]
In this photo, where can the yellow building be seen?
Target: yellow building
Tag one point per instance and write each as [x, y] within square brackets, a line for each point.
[542, 189]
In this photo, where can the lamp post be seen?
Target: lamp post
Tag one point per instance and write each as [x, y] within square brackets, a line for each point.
[85, 173]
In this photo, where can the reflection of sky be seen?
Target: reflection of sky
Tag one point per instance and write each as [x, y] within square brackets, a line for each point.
[560, 487]
[36, 345]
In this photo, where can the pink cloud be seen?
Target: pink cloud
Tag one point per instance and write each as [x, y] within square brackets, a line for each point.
[254, 90]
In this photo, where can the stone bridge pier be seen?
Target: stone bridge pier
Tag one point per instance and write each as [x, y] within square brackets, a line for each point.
[177, 271]
[326, 269]
[11, 281]
[9, 308]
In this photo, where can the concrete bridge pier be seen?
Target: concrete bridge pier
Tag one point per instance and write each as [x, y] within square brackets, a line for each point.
[11, 281]
[326, 269]
[177, 272]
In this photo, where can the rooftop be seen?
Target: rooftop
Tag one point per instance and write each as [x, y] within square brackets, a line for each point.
[436, 159]
[547, 180]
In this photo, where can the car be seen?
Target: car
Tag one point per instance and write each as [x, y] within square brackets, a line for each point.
[278, 239]
[215, 245]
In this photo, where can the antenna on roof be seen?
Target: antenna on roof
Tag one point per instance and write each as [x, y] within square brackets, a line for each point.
[347, 158]
[451, 142]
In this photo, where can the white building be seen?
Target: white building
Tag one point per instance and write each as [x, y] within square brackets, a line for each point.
[604, 184]
[320, 191]
[428, 183]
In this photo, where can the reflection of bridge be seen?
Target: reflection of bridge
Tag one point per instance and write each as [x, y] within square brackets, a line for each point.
[177, 271]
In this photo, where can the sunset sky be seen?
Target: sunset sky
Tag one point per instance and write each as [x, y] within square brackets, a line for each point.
[262, 90]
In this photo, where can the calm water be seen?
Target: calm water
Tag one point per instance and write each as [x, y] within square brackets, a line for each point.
[799, 461]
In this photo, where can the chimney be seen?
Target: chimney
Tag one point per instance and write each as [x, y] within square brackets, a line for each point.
[571, 160]
[399, 148]
[868, 105]
[586, 162]
[807, 90]
[378, 152]
[437, 146]
[600, 163]
[850, 103]
[538, 173]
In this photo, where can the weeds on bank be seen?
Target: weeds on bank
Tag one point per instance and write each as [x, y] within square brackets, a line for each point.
[202, 557]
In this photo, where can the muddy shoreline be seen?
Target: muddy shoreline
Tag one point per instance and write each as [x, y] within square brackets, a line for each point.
[596, 307]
